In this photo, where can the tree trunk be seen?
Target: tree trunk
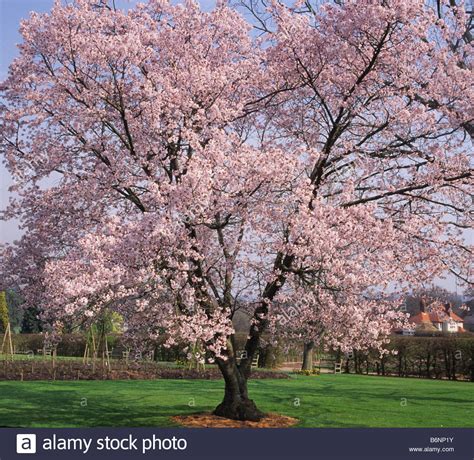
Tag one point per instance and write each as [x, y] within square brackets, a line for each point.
[308, 356]
[236, 404]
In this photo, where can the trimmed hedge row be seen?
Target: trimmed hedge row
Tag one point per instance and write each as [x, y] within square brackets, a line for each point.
[74, 345]
[426, 357]
[71, 345]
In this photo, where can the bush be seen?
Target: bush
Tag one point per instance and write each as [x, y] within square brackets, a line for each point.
[306, 372]
[441, 357]
[4, 317]
[28, 342]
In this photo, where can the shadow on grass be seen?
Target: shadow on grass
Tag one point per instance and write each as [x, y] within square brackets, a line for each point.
[23, 404]
[342, 401]
[353, 401]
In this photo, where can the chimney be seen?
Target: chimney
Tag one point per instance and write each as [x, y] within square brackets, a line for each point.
[447, 308]
[422, 305]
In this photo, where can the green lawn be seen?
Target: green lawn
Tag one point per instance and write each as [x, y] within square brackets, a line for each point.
[322, 401]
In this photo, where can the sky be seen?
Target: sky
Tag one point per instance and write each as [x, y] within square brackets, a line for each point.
[11, 13]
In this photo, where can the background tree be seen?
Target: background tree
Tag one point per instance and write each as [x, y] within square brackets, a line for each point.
[4, 317]
[430, 295]
[191, 166]
[31, 323]
[15, 309]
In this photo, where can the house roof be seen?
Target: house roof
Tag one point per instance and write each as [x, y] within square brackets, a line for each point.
[421, 317]
[442, 317]
[436, 313]
[424, 320]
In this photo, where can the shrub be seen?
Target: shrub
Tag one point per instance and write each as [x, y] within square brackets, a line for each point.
[450, 357]
[4, 317]
[306, 372]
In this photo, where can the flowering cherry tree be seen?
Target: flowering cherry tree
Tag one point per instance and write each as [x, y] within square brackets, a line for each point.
[168, 164]
[337, 87]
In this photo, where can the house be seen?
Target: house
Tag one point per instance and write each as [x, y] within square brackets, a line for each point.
[447, 320]
[434, 318]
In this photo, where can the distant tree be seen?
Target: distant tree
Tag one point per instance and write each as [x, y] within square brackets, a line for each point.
[4, 317]
[469, 292]
[469, 300]
[15, 309]
[31, 322]
[430, 295]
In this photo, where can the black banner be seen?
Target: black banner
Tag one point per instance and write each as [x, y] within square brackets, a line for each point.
[249, 444]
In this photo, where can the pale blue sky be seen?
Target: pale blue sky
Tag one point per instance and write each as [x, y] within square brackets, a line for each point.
[11, 13]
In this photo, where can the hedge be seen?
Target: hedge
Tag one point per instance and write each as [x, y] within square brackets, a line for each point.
[74, 345]
[438, 357]
[427, 357]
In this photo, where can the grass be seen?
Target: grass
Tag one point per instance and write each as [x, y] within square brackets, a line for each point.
[37, 357]
[80, 359]
[322, 401]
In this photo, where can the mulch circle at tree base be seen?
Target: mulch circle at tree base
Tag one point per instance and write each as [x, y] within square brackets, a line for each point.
[208, 420]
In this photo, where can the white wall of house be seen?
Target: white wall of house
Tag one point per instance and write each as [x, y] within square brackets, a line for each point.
[451, 326]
